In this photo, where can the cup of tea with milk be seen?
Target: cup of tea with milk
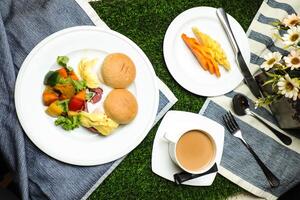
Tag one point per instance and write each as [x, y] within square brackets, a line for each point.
[194, 150]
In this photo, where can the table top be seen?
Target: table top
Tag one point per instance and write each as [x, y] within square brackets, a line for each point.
[145, 22]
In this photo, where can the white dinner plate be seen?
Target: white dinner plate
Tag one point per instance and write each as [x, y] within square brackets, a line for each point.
[80, 146]
[162, 163]
[183, 65]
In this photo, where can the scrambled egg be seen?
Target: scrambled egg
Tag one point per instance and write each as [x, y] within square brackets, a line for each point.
[86, 74]
[99, 121]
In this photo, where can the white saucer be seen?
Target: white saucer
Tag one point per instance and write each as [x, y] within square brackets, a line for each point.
[162, 164]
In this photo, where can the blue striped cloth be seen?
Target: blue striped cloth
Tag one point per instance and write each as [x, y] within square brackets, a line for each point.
[237, 164]
[23, 24]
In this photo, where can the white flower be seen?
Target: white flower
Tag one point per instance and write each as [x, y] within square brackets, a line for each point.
[292, 36]
[293, 60]
[291, 20]
[271, 60]
[288, 87]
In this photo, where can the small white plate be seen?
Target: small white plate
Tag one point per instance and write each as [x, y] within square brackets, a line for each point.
[81, 147]
[163, 165]
[183, 65]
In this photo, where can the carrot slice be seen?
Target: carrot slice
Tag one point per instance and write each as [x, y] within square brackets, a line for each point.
[212, 63]
[215, 66]
[63, 72]
[203, 55]
[80, 95]
[202, 60]
[217, 71]
[73, 76]
[191, 44]
[49, 97]
[211, 67]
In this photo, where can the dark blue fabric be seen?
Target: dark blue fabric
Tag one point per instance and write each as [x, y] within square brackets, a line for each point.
[23, 24]
[266, 20]
[283, 6]
[255, 59]
[266, 40]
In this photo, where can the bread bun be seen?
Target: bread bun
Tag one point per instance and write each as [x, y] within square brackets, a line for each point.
[118, 71]
[121, 106]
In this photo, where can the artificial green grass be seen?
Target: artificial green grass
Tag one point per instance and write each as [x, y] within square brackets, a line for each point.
[145, 22]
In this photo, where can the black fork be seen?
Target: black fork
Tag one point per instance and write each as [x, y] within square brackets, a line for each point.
[235, 130]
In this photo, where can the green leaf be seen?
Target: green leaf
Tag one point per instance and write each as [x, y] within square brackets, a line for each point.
[270, 74]
[64, 80]
[79, 85]
[68, 123]
[277, 36]
[64, 104]
[69, 68]
[265, 101]
[274, 85]
[287, 46]
[275, 23]
[273, 75]
[62, 60]
[268, 82]
[269, 99]
[89, 96]
[282, 27]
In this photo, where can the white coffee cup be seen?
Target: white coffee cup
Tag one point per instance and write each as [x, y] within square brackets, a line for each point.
[173, 138]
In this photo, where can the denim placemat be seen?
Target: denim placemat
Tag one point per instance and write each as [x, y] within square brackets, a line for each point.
[237, 164]
[23, 24]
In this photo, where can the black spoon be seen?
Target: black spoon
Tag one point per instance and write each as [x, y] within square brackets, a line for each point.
[185, 176]
[241, 107]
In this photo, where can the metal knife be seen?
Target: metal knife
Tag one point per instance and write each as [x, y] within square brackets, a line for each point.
[250, 81]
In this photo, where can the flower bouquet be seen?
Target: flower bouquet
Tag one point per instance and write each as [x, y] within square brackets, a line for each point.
[281, 82]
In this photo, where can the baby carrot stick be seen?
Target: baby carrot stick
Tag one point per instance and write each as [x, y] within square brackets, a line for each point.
[212, 63]
[215, 66]
[201, 59]
[191, 44]
[211, 67]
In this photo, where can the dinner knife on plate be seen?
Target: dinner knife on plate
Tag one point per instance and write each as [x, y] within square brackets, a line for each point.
[250, 81]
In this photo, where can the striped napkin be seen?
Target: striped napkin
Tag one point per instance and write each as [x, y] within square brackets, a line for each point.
[237, 164]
